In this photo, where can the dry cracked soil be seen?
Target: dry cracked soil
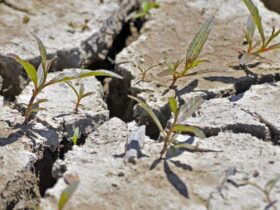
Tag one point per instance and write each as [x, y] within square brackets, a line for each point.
[116, 162]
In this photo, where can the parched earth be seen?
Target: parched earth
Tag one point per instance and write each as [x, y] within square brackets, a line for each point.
[240, 115]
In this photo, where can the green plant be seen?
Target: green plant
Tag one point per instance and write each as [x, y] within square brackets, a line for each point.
[76, 135]
[79, 94]
[145, 8]
[257, 47]
[266, 190]
[144, 71]
[40, 82]
[176, 126]
[192, 56]
[72, 181]
[83, 26]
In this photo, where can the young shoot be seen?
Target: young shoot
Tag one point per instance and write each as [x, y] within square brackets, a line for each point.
[259, 46]
[266, 190]
[75, 136]
[72, 182]
[80, 94]
[179, 115]
[192, 59]
[145, 8]
[40, 80]
[144, 71]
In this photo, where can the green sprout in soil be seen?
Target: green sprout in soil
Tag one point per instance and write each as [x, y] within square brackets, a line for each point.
[40, 82]
[73, 182]
[255, 48]
[145, 8]
[83, 26]
[80, 94]
[75, 136]
[192, 59]
[266, 190]
[144, 70]
[176, 126]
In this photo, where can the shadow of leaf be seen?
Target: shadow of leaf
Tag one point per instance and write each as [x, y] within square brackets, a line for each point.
[175, 181]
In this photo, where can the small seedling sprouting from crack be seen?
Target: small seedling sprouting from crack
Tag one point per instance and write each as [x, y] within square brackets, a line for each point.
[179, 115]
[145, 8]
[72, 182]
[192, 56]
[75, 136]
[266, 190]
[79, 95]
[39, 78]
[144, 70]
[255, 48]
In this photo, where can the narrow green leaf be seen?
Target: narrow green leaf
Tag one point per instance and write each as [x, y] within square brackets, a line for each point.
[43, 52]
[185, 146]
[87, 94]
[68, 192]
[72, 87]
[35, 110]
[271, 183]
[64, 78]
[273, 47]
[189, 129]
[81, 89]
[256, 16]
[251, 28]
[39, 101]
[150, 112]
[28, 67]
[173, 105]
[75, 136]
[198, 41]
[187, 109]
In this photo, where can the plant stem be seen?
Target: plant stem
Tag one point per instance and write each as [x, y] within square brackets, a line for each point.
[30, 106]
[173, 82]
[77, 105]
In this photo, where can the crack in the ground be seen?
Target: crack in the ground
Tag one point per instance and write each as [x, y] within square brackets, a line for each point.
[273, 134]
[15, 7]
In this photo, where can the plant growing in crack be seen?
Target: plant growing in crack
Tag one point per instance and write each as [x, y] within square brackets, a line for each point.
[40, 81]
[144, 70]
[175, 126]
[266, 190]
[80, 94]
[145, 8]
[255, 48]
[192, 59]
[72, 182]
[76, 135]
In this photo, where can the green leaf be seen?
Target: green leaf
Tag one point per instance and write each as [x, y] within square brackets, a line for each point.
[72, 87]
[64, 78]
[41, 74]
[42, 50]
[273, 47]
[28, 67]
[271, 183]
[189, 108]
[87, 94]
[173, 105]
[39, 101]
[68, 192]
[256, 16]
[75, 136]
[35, 110]
[81, 90]
[189, 129]
[251, 28]
[185, 146]
[198, 41]
[150, 112]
